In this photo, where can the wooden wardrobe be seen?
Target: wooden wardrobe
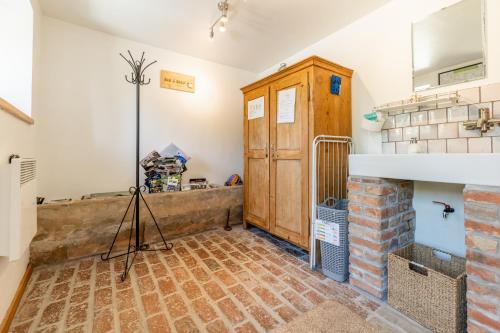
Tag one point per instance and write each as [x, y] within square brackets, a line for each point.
[277, 155]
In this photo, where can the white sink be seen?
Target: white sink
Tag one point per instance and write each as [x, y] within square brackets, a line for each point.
[477, 169]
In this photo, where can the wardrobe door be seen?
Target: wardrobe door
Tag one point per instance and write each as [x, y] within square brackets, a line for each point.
[256, 159]
[289, 165]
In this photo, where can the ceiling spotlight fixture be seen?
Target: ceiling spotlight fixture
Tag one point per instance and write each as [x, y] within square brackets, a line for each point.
[223, 7]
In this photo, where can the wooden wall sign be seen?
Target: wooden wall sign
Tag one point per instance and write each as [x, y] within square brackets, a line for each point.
[176, 81]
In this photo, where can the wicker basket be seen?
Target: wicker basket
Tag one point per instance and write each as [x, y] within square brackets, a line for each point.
[427, 288]
[335, 258]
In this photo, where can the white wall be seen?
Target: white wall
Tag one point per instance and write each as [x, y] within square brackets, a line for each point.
[86, 126]
[16, 54]
[378, 48]
[432, 229]
[17, 136]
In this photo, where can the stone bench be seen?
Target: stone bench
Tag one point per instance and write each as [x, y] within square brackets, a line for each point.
[75, 229]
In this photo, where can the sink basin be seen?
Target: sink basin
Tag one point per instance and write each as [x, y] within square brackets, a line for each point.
[477, 169]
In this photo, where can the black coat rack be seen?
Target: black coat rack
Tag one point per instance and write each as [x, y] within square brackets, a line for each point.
[137, 78]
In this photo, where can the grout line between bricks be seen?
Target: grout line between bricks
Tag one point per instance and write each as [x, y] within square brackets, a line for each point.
[310, 280]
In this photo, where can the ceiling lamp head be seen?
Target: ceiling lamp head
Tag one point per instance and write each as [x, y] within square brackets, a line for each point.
[223, 7]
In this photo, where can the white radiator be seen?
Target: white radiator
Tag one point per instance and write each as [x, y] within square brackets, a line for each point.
[17, 207]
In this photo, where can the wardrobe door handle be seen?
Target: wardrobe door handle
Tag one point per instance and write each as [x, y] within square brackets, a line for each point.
[267, 150]
[273, 152]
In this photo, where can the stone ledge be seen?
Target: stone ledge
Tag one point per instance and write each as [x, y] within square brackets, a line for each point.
[83, 228]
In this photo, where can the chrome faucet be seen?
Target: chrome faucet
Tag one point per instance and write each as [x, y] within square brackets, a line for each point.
[484, 122]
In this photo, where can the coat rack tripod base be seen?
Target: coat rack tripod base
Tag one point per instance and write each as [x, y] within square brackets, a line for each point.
[133, 249]
[137, 79]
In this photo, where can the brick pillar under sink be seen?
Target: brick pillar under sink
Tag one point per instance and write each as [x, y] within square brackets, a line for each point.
[482, 225]
[381, 220]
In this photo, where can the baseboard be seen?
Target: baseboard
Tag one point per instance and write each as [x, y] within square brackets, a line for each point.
[11, 311]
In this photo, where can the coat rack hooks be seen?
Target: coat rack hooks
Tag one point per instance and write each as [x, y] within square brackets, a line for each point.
[138, 68]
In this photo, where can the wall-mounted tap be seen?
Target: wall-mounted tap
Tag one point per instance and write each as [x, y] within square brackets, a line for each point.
[447, 208]
[484, 122]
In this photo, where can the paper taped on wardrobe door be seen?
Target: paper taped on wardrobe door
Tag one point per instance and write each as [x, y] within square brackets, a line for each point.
[256, 108]
[286, 106]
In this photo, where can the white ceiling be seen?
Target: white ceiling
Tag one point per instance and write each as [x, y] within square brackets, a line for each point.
[260, 32]
[449, 37]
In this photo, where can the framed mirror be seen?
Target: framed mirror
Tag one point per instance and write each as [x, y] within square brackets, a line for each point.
[449, 46]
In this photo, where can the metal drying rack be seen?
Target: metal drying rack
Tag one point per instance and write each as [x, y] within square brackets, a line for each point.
[330, 166]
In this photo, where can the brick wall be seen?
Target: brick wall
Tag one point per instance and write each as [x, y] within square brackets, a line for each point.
[482, 224]
[382, 219]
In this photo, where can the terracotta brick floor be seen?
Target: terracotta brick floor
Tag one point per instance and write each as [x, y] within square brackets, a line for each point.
[218, 281]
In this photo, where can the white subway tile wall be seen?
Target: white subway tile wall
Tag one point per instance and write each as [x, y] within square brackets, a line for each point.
[436, 146]
[456, 146]
[496, 144]
[410, 133]
[419, 118]
[423, 146]
[496, 109]
[458, 113]
[495, 131]
[402, 147]
[474, 109]
[385, 135]
[389, 148]
[437, 116]
[428, 132]
[439, 128]
[403, 120]
[480, 145]
[395, 134]
[464, 133]
[448, 131]
[389, 123]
